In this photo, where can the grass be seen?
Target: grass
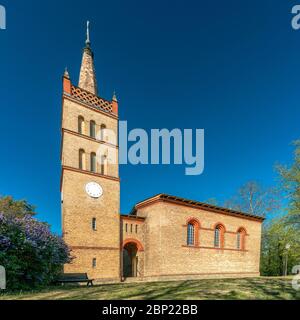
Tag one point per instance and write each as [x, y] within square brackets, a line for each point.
[227, 289]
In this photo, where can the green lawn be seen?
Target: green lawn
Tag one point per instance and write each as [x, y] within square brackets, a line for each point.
[254, 288]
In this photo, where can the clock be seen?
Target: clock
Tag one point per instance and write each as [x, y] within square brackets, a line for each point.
[94, 190]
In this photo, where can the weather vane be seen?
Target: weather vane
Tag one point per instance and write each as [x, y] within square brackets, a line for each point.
[88, 42]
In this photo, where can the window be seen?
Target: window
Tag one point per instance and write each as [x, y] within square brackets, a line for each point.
[240, 239]
[219, 236]
[126, 227]
[93, 162]
[93, 129]
[131, 226]
[136, 228]
[191, 235]
[94, 224]
[81, 125]
[103, 133]
[81, 159]
[94, 263]
[104, 165]
[193, 227]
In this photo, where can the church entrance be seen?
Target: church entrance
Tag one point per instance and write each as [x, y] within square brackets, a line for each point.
[130, 260]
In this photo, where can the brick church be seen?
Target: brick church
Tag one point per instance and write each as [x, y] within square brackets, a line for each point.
[163, 237]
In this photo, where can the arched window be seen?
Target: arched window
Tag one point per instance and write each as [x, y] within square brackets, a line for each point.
[93, 162]
[104, 164]
[93, 129]
[191, 235]
[103, 133]
[82, 159]
[81, 125]
[240, 239]
[193, 232]
[219, 236]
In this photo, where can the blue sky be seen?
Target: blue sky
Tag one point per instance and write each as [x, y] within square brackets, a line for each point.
[230, 67]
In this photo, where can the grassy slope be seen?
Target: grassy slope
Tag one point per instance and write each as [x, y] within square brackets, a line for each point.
[258, 288]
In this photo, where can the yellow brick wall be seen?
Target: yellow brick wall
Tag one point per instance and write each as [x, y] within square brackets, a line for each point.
[166, 237]
[78, 209]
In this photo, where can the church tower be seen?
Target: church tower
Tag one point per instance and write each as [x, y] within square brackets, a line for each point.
[90, 185]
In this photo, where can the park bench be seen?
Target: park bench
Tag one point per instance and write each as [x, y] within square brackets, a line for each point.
[75, 278]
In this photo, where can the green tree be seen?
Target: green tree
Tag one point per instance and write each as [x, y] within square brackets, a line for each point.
[16, 208]
[291, 185]
[277, 234]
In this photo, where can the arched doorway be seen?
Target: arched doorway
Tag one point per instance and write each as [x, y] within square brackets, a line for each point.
[131, 249]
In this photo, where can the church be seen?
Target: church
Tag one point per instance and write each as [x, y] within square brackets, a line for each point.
[163, 237]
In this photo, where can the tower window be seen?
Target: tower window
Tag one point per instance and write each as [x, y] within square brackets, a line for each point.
[131, 226]
[93, 129]
[81, 125]
[103, 133]
[81, 159]
[94, 263]
[126, 227]
[94, 224]
[93, 162]
[104, 165]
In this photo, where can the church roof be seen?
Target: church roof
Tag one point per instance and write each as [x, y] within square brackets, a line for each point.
[195, 204]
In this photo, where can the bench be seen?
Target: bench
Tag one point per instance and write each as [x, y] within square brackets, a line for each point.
[75, 278]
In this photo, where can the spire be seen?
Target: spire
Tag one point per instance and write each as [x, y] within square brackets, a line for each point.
[87, 77]
[115, 97]
[66, 74]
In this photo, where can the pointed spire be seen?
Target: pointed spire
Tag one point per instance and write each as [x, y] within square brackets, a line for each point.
[114, 98]
[66, 74]
[87, 77]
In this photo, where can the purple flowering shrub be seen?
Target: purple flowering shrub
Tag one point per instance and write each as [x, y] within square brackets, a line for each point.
[30, 253]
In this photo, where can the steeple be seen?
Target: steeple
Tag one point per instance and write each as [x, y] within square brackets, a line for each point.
[87, 77]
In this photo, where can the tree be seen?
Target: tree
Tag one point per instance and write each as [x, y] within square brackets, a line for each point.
[21, 208]
[254, 199]
[291, 185]
[276, 235]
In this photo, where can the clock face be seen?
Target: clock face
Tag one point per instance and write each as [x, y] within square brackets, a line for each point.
[94, 190]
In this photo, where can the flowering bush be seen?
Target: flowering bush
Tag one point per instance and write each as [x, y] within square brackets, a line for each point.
[30, 253]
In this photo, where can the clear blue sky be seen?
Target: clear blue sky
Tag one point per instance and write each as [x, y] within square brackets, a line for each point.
[230, 67]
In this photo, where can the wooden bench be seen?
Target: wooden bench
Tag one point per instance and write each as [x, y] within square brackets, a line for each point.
[75, 278]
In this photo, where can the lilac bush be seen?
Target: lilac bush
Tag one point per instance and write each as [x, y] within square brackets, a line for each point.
[31, 254]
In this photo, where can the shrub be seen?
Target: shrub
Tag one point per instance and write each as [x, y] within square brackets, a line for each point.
[30, 253]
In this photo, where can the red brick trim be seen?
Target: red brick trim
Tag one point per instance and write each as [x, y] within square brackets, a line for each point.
[111, 115]
[85, 172]
[212, 230]
[196, 205]
[92, 248]
[214, 248]
[135, 241]
[89, 138]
